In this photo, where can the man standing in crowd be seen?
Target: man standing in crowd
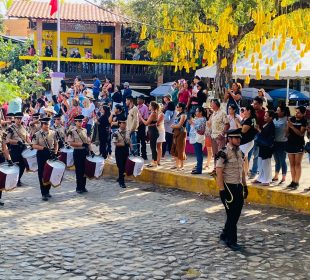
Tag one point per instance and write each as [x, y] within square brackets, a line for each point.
[132, 123]
[45, 142]
[219, 124]
[127, 92]
[96, 87]
[144, 112]
[230, 179]
[260, 114]
[17, 136]
[77, 138]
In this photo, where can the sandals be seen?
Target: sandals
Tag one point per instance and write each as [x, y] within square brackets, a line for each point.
[173, 167]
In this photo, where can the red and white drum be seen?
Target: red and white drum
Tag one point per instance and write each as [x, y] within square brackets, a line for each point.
[94, 166]
[53, 172]
[134, 166]
[30, 158]
[8, 176]
[66, 156]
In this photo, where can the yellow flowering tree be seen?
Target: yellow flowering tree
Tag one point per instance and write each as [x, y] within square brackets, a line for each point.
[218, 31]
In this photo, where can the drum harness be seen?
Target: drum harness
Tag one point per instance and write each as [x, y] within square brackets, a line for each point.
[132, 153]
[24, 140]
[48, 146]
[87, 149]
[59, 138]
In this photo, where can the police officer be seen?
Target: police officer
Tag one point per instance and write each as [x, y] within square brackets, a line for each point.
[78, 139]
[17, 136]
[121, 139]
[230, 179]
[34, 125]
[4, 154]
[59, 130]
[45, 142]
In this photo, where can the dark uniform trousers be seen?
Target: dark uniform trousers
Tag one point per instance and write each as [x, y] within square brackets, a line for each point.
[2, 159]
[121, 155]
[16, 156]
[42, 157]
[233, 211]
[141, 138]
[79, 157]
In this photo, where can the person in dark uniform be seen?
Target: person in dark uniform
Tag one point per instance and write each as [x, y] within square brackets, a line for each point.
[230, 178]
[45, 141]
[4, 155]
[121, 139]
[59, 130]
[17, 136]
[78, 139]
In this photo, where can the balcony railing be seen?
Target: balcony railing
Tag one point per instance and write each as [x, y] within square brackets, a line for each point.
[136, 71]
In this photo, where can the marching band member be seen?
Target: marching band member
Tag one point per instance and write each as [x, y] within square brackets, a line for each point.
[17, 136]
[45, 141]
[59, 130]
[121, 139]
[4, 155]
[34, 125]
[81, 143]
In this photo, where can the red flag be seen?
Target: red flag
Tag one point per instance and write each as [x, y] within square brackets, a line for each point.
[54, 6]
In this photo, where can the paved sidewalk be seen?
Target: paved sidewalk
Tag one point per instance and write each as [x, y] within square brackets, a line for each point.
[143, 232]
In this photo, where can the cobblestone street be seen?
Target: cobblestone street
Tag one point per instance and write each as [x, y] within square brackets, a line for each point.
[143, 232]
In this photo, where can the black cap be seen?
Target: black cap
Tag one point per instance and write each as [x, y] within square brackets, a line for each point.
[10, 115]
[36, 115]
[58, 116]
[45, 120]
[18, 115]
[79, 118]
[234, 133]
[141, 97]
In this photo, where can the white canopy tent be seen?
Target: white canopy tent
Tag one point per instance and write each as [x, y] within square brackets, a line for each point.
[291, 57]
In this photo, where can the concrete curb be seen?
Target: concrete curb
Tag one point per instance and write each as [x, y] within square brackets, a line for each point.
[200, 184]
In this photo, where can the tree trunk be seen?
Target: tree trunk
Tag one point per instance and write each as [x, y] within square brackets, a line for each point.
[224, 75]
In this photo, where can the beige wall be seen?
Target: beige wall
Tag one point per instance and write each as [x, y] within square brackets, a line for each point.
[17, 27]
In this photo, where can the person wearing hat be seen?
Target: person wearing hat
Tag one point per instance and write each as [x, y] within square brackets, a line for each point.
[59, 130]
[34, 124]
[78, 139]
[121, 139]
[262, 93]
[4, 155]
[17, 136]
[141, 135]
[45, 142]
[230, 179]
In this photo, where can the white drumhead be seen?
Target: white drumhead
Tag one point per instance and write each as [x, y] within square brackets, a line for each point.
[56, 163]
[136, 159]
[29, 153]
[4, 168]
[66, 150]
[96, 159]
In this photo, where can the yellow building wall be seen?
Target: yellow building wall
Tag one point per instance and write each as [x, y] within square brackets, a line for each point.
[100, 42]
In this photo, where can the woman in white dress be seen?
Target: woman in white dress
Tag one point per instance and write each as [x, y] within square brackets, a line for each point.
[161, 130]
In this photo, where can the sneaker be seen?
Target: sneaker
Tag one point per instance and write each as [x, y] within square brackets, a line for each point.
[84, 190]
[79, 191]
[290, 186]
[49, 195]
[123, 186]
[234, 246]
[44, 198]
[252, 176]
[294, 186]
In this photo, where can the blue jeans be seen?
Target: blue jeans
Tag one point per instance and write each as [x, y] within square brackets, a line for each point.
[254, 152]
[280, 157]
[199, 156]
[134, 141]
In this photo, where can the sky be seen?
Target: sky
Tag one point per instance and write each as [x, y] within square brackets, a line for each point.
[2, 9]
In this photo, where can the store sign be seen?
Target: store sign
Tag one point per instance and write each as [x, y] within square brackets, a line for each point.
[78, 27]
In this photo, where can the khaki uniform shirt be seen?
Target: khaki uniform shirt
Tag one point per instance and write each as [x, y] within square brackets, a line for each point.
[45, 139]
[18, 133]
[121, 137]
[34, 128]
[78, 135]
[60, 131]
[233, 167]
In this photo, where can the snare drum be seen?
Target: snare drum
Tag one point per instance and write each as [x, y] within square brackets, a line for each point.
[66, 156]
[30, 158]
[134, 166]
[94, 166]
[8, 176]
[53, 172]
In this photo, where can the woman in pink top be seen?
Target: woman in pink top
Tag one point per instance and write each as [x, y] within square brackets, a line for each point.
[184, 93]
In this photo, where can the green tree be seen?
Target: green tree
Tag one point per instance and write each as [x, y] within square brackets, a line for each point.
[217, 30]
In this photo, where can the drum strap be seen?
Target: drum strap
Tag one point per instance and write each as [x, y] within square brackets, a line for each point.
[45, 140]
[18, 133]
[80, 137]
[124, 138]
